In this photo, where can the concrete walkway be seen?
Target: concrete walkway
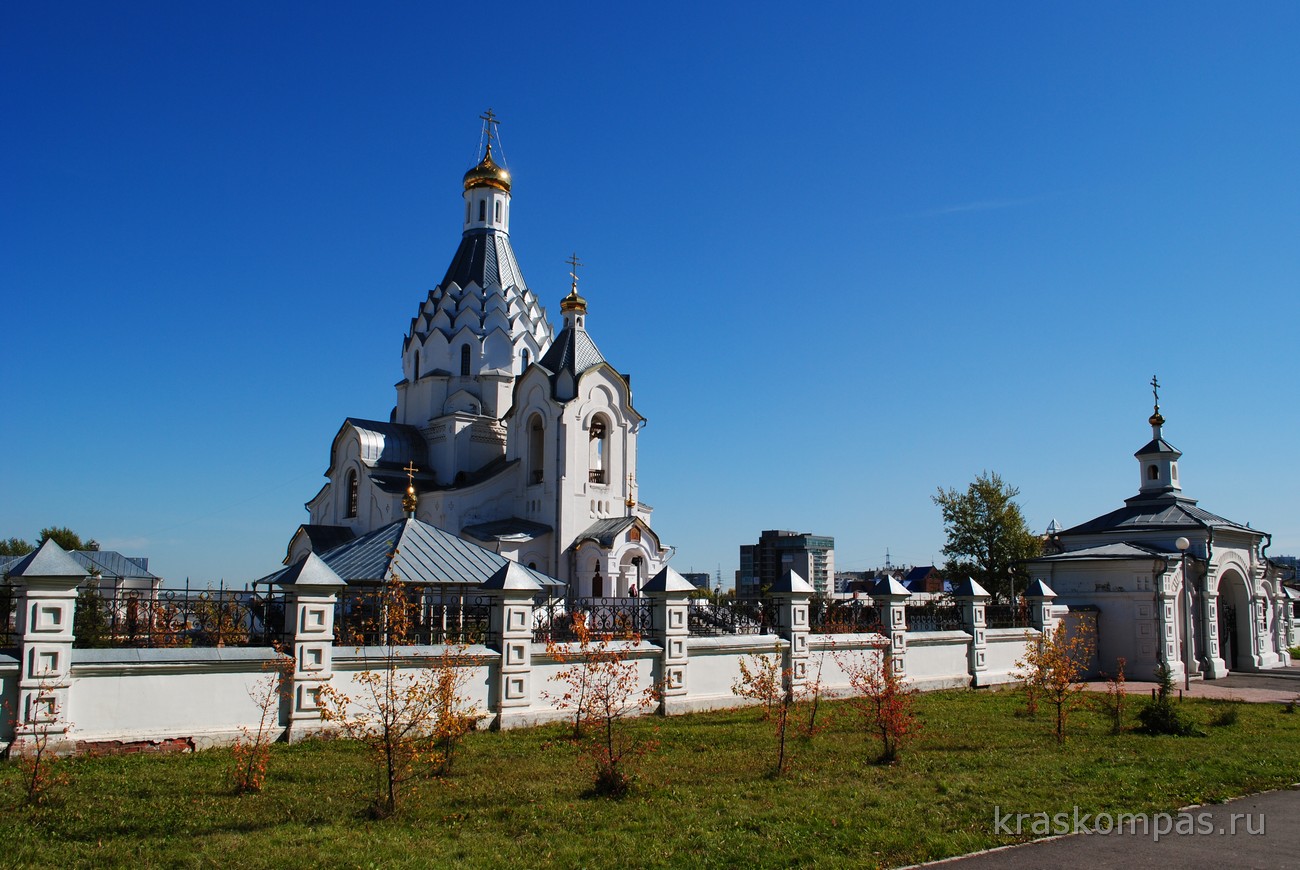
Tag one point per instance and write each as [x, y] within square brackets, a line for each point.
[1257, 831]
[1279, 685]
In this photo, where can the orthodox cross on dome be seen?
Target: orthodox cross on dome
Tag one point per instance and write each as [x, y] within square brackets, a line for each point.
[1156, 419]
[631, 495]
[410, 501]
[491, 130]
[574, 263]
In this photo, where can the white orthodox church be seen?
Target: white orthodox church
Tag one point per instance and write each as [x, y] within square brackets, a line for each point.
[1169, 581]
[513, 437]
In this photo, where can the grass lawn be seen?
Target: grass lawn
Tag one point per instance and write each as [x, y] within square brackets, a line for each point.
[703, 799]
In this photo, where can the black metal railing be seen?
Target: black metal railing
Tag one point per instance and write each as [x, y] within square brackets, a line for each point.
[415, 614]
[177, 618]
[1006, 616]
[842, 617]
[750, 616]
[567, 621]
[8, 617]
[929, 617]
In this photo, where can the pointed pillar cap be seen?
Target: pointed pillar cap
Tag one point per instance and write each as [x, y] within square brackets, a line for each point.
[1039, 589]
[889, 586]
[49, 561]
[512, 577]
[668, 580]
[789, 583]
[310, 570]
[968, 588]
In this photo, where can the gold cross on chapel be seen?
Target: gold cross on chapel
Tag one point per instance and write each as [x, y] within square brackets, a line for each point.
[574, 263]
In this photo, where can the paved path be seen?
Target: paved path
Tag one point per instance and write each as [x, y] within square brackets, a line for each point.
[1267, 835]
[1277, 686]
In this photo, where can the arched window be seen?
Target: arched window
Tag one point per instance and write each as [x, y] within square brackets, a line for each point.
[597, 450]
[523, 359]
[536, 450]
[482, 209]
[1153, 472]
[416, 370]
[466, 211]
[464, 360]
[352, 494]
[497, 212]
[597, 585]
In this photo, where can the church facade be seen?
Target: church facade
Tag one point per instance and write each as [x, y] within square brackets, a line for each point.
[510, 435]
[1171, 582]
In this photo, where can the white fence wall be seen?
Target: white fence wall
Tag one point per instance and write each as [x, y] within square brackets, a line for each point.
[204, 697]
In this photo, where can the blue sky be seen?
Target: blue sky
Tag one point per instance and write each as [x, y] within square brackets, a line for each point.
[850, 253]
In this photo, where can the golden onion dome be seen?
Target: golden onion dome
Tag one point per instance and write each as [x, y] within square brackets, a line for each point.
[573, 302]
[488, 174]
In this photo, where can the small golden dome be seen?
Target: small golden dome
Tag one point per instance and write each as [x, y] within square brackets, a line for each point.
[488, 174]
[1156, 420]
[573, 302]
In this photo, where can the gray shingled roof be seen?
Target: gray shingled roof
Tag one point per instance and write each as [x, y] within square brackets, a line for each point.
[484, 257]
[1159, 445]
[418, 553]
[1163, 513]
[573, 350]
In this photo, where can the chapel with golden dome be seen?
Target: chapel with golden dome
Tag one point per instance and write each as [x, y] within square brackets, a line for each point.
[507, 433]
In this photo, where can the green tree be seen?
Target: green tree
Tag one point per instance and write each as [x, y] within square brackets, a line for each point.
[15, 547]
[64, 537]
[987, 535]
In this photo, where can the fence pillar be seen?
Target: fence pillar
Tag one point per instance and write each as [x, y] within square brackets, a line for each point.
[790, 596]
[973, 598]
[513, 589]
[670, 596]
[1040, 595]
[312, 591]
[46, 584]
[890, 598]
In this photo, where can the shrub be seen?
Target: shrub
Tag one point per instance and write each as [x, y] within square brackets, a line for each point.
[1161, 715]
[883, 701]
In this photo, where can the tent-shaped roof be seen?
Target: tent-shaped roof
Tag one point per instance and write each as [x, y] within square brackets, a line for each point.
[1164, 513]
[417, 553]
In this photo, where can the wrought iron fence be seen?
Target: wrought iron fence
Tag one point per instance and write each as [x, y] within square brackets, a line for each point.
[745, 616]
[563, 621]
[429, 614]
[1006, 616]
[842, 617]
[177, 618]
[932, 617]
[8, 617]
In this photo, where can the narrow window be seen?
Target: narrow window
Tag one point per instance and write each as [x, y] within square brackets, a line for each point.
[597, 586]
[416, 370]
[497, 212]
[352, 494]
[467, 211]
[536, 453]
[482, 209]
[1153, 473]
[523, 359]
[464, 360]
